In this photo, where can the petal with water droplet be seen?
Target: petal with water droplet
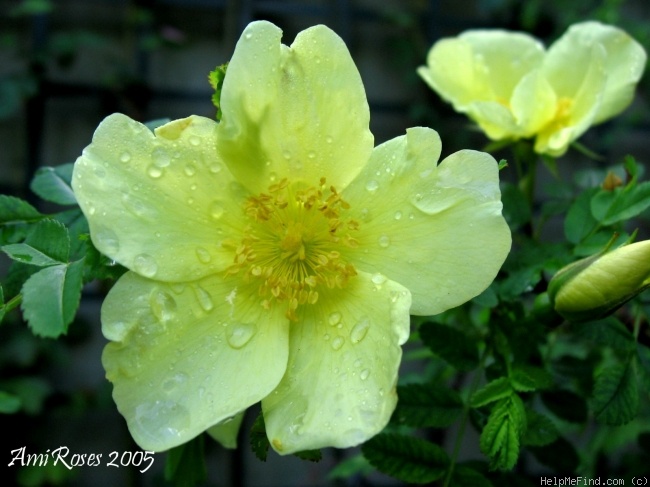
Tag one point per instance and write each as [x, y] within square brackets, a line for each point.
[342, 389]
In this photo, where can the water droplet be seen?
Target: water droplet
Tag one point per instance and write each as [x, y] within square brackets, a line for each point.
[216, 210]
[329, 139]
[173, 382]
[337, 343]
[203, 255]
[107, 241]
[364, 374]
[91, 210]
[358, 362]
[311, 154]
[161, 157]
[378, 279]
[359, 331]
[384, 241]
[154, 172]
[145, 265]
[335, 318]
[190, 169]
[125, 157]
[398, 215]
[326, 336]
[240, 334]
[195, 140]
[248, 36]
[205, 300]
[100, 172]
[163, 306]
[372, 185]
[286, 154]
[215, 167]
[150, 415]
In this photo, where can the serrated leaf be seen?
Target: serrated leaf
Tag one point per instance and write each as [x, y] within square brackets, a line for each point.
[540, 430]
[566, 405]
[609, 332]
[406, 458]
[500, 438]
[21, 252]
[490, 392]
[77, 225]
[579, 221]
[468, 477]
[528, 378]
[9, 403]
[46, 244]
[51, 298]
[427, 405]
[344, 469]
[53, 184]
[310, 455]
[185, 464]
[620, 204]
[450, 344]
[616, 394]
[15, 210]
[258, 439]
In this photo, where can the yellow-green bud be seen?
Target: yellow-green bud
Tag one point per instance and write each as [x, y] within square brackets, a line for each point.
[594, 287]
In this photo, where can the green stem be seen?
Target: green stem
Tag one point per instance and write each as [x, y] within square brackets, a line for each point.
[637, 321]
[12, 303]
[464, 419]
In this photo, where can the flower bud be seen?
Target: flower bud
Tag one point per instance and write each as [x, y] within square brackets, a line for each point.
[595, 287]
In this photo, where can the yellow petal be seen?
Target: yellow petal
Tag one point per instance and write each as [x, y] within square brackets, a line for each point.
[226, 432]
[298, 111]
[437, 230]
[183, 357]
[339, 389]
[159, 205]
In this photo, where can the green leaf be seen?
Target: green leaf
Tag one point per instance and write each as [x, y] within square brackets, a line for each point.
[529, 378]
[450, 344]
[31, 391]
[46, 244]
[464, 476]
[258, 439]
[579, 221]
[540, 430]
[516, 209]
[406, 458]
[9, 403]
[620, 204]
[427, 405]
[51, 298]
[21, 252]
[616, 394]
[185, 464]
[53, 184]
[492, 391]
[3, 308]
[357, 464]
[608, 332]
[15, 210]
[643, 361]
[566, 405]
[500, 438]
[310, 455]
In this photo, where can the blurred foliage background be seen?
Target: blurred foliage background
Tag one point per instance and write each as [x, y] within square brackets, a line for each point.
[66, 64]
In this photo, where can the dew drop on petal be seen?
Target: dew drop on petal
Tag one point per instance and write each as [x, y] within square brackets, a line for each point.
[215, 167]
[163, 306]
[189, 169]
[107, 241]
[359, 331]
[204, 298]
[334, 318]
[145, 265]
[203, 255]
[216, 210]
[364, 374]
[240, 334]
[173, 382]
[378, 279]
[372, 185]
[384, 241]
[286, 154]
[248, 36]
[195, 140]
[311, 154]
[161, 157]
[154, 172]
[329, 139]
[398, 215]
[337, 343]
[125, 157]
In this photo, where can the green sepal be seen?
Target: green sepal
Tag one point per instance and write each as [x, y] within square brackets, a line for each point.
[216, 77]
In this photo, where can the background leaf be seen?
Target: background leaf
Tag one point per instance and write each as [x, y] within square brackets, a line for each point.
[51, 298]
[492, 391]
[427, 405]
[616, 394]
[13, 210]
[406, 458]
[451, 344]
[53, 184]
